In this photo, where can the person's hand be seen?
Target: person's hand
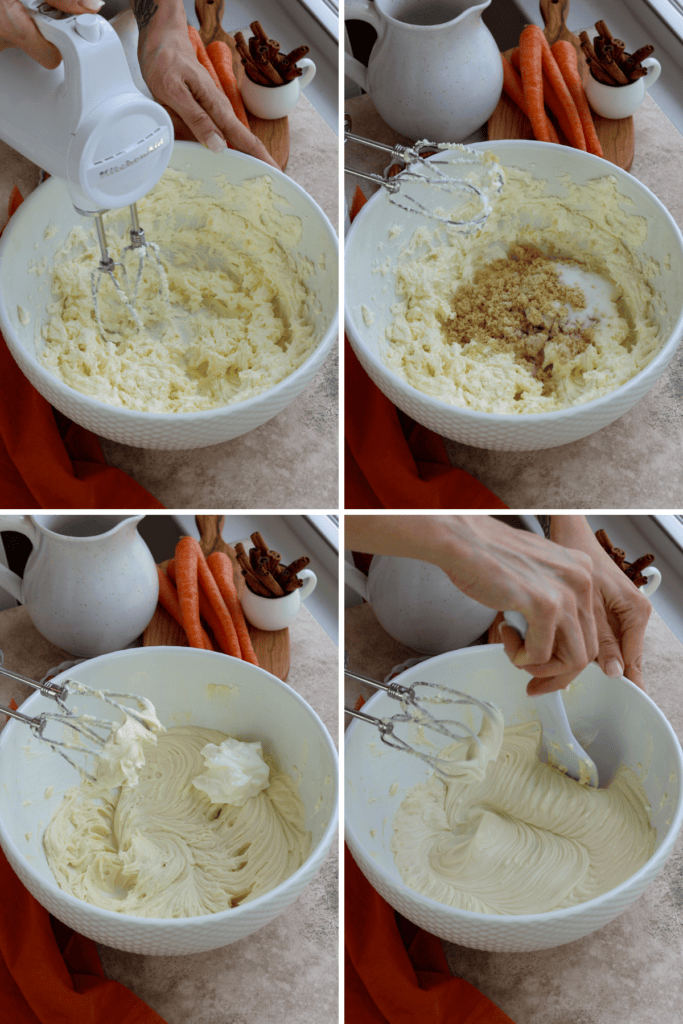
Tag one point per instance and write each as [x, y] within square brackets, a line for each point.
[177, 80]
[18, 29]
[620, 610]
[503, 569]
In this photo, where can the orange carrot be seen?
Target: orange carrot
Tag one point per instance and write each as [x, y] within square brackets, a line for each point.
[186, 566]
[551, 101]
[220, 55]
[225, 638]
[221, 568]
[224, 628]
[531, 68]
[565, 55]
[168, 597]
[512, 84]
[555, 78]
[202, 55]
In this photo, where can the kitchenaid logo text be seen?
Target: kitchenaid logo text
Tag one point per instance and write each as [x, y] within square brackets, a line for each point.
[129, 163]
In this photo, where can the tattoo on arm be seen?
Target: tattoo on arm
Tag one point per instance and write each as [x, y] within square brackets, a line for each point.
[545, 524]
[144, 11]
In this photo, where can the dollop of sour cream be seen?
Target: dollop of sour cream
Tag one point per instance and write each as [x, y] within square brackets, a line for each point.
[235, 771]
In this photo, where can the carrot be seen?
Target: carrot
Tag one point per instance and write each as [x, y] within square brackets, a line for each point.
[168, 597]
[202, 55]
[558, 83]
[551, 101]
[512, 84]
[221, 567]
[186, 566]
[565, 55]
[220, 55]
[225, 639]
[220, 622]
[531, 68]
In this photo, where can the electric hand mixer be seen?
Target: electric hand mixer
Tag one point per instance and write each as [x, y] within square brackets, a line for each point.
[87, 123]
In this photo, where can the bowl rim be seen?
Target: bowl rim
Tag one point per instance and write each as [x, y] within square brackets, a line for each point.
[233, 913]
[140, 416]
[658, 857]
[438, 405]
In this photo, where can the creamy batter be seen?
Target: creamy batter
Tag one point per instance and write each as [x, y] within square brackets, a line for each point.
[240, 314]
[523, 838]
[595, 235]
[203, 824]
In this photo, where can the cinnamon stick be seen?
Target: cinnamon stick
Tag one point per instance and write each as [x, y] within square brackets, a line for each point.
[297, 54]
[258, 542]
[642, 53]
[601, 26]
[258, 31]
[253, 583]
[298, 564]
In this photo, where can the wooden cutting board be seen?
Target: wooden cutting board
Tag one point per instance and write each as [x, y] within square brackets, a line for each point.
[273, 134]
[271, 648]
[508, 122]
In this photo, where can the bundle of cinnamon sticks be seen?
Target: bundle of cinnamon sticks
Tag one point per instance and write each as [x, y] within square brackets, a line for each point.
[262, 60]
[608, 60]
[634, 570]
[263, 571]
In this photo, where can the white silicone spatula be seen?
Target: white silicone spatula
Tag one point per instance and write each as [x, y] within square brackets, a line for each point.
[563, 749]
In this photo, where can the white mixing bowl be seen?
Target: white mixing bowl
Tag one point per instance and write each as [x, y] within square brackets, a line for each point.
[23, 243]
[631, 730]
[497, 431]
[187, 687]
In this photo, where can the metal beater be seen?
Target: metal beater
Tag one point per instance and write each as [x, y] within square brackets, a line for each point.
[87, 123]
[415, 713]
[86, 726]
[422, 172]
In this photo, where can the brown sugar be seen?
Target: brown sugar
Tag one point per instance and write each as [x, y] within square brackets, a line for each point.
[519, 303]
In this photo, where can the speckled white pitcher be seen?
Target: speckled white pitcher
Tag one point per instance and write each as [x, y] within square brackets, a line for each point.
[434, 72]
[417, 604]
[90, 584]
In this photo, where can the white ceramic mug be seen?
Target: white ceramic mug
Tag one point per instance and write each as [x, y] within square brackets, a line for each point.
[272, 613]
[616, 101]
[273, 101]
[90, 583]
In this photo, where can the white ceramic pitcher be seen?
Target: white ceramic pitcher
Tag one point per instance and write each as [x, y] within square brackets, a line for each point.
[434, 72]
[90, 583]
[417, 604]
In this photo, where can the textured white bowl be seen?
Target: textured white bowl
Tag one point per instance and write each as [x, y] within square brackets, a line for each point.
[187, 686]
[23, 243]
[494, 430]
[632, 730]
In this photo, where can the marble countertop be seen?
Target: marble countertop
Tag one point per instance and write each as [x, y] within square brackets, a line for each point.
[627, 972]
[633, 456]
[286, 971]
[290, 462]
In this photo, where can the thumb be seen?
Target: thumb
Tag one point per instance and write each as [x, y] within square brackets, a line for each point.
[78, 6]
[610, 658]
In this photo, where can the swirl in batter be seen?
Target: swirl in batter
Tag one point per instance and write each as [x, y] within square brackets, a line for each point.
[524, 839]
[161, 848]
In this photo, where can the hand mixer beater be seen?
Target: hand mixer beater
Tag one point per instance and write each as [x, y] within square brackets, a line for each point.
[87, 123]
[77, 737]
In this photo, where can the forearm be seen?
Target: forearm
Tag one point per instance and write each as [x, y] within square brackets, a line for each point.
[433, 539]
[156, 18]
[567, 529]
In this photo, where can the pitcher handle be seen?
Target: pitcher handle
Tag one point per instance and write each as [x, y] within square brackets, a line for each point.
[356, 580]
[309, 69]
[360, 10]
[654, 579]
[9, 580]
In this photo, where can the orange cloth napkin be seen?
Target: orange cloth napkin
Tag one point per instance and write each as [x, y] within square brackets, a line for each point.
[395, 972]
[389, 467]
[46, 461]
[51, 975]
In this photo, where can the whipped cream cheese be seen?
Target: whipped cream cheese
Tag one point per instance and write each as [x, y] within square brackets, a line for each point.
[235, 771]
[522, 838]
[178, 823]
[240, 317]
